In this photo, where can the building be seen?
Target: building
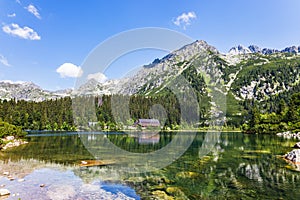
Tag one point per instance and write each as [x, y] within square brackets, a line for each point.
[147, 123]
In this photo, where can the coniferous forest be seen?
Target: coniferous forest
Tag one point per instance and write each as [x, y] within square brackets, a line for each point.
[276, 114]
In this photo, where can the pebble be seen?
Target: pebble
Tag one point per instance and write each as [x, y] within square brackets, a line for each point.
[5, 173]
[42, 185]
[21, 180]
[4, 192]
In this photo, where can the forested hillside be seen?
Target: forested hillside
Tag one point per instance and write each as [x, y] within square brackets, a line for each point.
[248, 88]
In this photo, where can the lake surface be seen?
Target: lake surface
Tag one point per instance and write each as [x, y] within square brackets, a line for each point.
[237, 166]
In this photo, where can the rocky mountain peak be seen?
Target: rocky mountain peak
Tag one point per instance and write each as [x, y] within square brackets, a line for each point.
[240, 49]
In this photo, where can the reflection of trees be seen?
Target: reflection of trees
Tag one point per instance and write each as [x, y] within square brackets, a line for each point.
[59, 149]
[239, 166]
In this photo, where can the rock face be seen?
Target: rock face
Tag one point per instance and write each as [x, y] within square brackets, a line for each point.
[28, 91]
[293, 156]
[240, 50]
[255, 49]
[153, 77]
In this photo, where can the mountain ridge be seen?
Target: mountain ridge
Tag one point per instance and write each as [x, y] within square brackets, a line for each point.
[153, 78]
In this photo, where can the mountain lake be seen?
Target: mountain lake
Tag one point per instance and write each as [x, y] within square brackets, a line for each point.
[75, 165]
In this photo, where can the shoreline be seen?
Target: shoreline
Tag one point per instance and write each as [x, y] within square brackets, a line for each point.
[10, 142]
[130, 130]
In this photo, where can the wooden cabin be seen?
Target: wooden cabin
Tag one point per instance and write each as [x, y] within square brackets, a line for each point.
[147, 122]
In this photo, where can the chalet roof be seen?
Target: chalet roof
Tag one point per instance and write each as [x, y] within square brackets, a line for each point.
[148, 122]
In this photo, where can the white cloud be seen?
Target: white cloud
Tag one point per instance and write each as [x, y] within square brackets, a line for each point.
[69, 70]
[12, 15]
[4, 61]
[98, 77]
[25, 32]
[33, 10]
[185, 19]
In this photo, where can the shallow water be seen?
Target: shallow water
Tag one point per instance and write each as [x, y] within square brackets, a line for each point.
[236, 166]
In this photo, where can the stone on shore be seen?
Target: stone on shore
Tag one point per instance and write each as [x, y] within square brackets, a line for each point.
[10, 138]
[289, 135]
[293, 156]
[4, 192]
[297, 145]
[14, 143]
[5, 173]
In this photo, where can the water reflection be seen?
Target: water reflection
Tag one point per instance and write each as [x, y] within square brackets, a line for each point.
[59, 182]
[238, 167]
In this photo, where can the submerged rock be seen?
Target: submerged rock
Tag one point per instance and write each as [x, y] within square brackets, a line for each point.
[188, 175]
[4, 192]
[60, 192]
[158, 194]
[177, 192]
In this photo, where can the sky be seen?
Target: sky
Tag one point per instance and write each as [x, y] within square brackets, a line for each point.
[46, 42]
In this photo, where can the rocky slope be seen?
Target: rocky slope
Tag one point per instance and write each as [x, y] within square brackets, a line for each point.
[28, 91]
[245, 72]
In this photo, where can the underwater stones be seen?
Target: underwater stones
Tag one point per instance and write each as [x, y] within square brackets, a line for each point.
[158, 194]
[60, 192]
[177, 192]
[187, 175]
[157, 187]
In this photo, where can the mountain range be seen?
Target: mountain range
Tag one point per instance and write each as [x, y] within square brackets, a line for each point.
[245, 72]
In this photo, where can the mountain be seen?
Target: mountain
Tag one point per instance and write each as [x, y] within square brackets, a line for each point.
[245, 72]
[240, 49]
[248, 72]
[28, 91]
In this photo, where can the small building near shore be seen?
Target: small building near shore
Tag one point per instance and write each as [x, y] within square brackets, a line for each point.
[147, 123]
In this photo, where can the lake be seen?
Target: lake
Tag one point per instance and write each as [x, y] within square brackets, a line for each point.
[145, 165]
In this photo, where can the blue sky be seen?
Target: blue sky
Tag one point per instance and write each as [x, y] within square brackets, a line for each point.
[38, 37]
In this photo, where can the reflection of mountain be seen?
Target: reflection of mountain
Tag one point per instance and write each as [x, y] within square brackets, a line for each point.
[238, 167]
[61, 182]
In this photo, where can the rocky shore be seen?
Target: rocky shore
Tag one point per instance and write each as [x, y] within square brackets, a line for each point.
[11, 141]
[289, 135]
[293, 156]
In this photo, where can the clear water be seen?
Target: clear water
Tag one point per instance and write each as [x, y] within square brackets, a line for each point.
[238, 167]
